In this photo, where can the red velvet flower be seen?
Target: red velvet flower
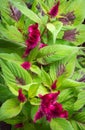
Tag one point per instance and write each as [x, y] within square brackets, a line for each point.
[54, 10]
[50, 108]
[33, 38]
[26, 65]
[19, 125]
[21, 96]
[53, 86]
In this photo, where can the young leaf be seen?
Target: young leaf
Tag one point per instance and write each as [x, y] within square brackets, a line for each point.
[54, 29]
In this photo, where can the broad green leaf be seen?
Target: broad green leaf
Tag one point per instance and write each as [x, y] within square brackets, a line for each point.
[27, 12]
[11, 57]
[45, 78]
[60, 124]
[80, 101]
[11, 33]
[15, 75]
[70, 66]
[65, 95]
[68, 83]
[52, 53]
[35, 101]
[9, 109]
[80, 117]
[33, 90]
[74, 124]
[35, 69]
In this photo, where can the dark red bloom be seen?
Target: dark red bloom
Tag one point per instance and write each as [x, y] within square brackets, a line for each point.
[19, 125]
[53, 86]
[50, 108]
[54, 10]
[26, 65]
[21, 96]
[33, 38]
[42, 45]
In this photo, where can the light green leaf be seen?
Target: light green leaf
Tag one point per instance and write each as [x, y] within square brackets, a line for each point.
[33, 90]
[60, 124]
[45, 78]
[54, 29]
[15, 75]
[9, 109]
[52, 53]
[26, 11]
[80, 101]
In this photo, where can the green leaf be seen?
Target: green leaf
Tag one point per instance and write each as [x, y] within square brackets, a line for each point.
[33, 90]
[45, 78]
[80, 101]
[11, 57]
[15, 75]
[4, 93]
[80, 117]
[35, 69]
[9, 109]
[65, 95]
[54, 29]
[12, 34]
[35, 101]
[69, 83]
[52, 53]
[60, 124]
[26, 11]
[29, 126]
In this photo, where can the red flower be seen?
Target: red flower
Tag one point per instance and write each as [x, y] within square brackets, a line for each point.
[42, 45]
[21, 96]
[54, 10]
[33, 38]
[26, 65]
[50, 108]
[53, 86]
[19, 125]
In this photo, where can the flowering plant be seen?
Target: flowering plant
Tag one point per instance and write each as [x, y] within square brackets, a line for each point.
[42, 71]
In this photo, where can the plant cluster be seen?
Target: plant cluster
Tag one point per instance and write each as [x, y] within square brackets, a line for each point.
[42, 64]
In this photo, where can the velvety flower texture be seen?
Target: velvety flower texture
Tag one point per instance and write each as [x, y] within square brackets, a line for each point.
[54, 10]
[50, 108]
[33, 38]
[19, 125]
[26, 65]
[21, 96]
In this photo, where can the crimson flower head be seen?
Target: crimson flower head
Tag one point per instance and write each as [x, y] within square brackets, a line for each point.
[54, 10]
[50, 108]
[26, 65]
[21, 96]
[33, 38]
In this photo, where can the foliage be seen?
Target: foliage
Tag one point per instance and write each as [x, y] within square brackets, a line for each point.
[54, 48]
